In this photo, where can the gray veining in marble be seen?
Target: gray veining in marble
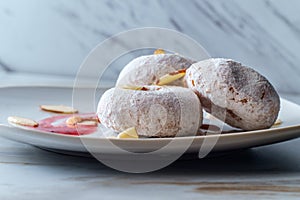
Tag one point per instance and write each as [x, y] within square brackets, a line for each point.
[54, 36]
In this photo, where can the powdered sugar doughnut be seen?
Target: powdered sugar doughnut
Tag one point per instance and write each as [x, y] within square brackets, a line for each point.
[154, 111]
[146, 70]
[224, 86]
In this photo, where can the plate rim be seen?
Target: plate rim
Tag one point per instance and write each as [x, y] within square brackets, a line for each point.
[226, 135]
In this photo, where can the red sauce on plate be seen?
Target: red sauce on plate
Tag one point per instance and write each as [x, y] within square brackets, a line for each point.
[57, 124]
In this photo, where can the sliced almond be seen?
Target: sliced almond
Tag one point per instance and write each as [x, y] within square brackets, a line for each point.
[111, 137]
[59, 109]
[134, 87]
[87, 123]
[71, 121]
[277, 122]
[74, 120]
[159, 51]
[168, 78]
[22, 121]
[128, 133]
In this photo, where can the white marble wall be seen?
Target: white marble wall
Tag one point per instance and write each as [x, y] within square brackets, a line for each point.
[54, 36]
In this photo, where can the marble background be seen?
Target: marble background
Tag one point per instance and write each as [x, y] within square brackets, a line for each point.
[54, 36]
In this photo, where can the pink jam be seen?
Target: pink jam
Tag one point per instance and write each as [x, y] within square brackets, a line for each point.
[57, 124]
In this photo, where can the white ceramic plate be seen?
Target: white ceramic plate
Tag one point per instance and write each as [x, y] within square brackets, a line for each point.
[24, 101]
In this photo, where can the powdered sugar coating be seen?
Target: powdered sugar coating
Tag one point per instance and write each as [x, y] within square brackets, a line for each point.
[146, 70]
[159, 112]
[228, 89]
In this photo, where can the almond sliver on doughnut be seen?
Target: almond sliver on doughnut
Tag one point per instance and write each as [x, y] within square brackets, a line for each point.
[22, 121]
[159, 51]
[168, 78]
[58, 109]
[134, 87]
[128, 133]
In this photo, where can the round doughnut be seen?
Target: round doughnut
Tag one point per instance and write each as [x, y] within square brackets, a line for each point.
[154, 111]
[225, 86]
[146, 70]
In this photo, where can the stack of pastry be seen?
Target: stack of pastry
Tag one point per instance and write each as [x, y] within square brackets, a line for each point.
[162, 95]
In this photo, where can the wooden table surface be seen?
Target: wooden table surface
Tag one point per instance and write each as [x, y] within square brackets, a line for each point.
[266, 172]
[272, 171]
